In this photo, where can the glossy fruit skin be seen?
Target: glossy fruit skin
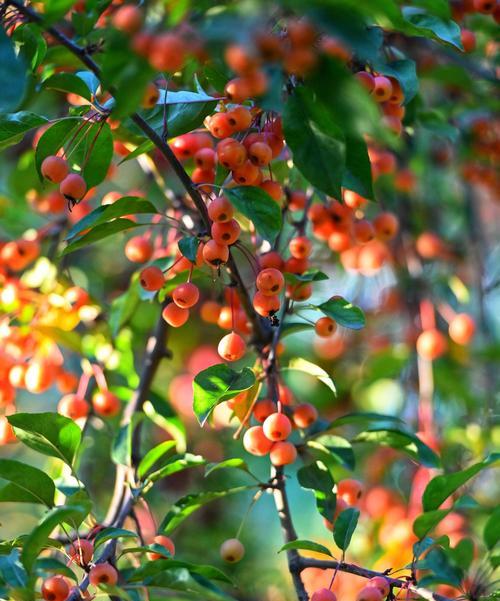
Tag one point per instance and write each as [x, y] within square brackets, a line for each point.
[220, 210]
[232, 347]
[103, 573]
[300, 247]
[54, 168]
[381, 583]
[431, 344]
[277, 427]
[81, 551]
[369, 593]
[324, 594]
[55, 588]
[138, 250]
[270, 281]
[350, 490]
[186, 295]
[166, 542]
[215, 254]
[283, 453]
[263, 409]
[386, 226]
[106, 403]
[305, 415]
[266, 306]
[73, 187]
[167, 52]
[256, 442]
[462, 329]
[174, 315]
[325, 326]
[128, 18]
[73, 406]
[382, 90]
[151, 278]
[232, 550]
[226, 233]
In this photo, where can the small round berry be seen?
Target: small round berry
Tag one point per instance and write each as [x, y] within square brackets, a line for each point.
[305, 415]
[263, 409]
[232, 347]
[54, 168]
[138, 249]
[73, 187]
[174, 315]
[382, 90]
[73, 406]
[300, 247]
[369, 593]
[220, 210]
[324, 594]
[277, 427]
[256, 442]
[232, 550]
[350, 490]
[431, 344]
[381, 583]
[325, 326]
[103, 573]
[128, 18]
[106, 403]
[227, 232]
[81, 551]
[283, 453]
[55, 588]
[166, 542]
[186, 295]
[266, 306]
[215, 254]
[151, 278]
[270, 281]
[462, 328]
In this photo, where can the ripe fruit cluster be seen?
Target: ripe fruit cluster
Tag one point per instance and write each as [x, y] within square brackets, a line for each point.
[71, 185]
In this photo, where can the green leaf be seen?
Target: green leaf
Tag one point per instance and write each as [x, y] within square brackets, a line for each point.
[13, 126]
[99, 232]
[344, 313]
[147, 572]
[405, 72]
[123, 307]
[462, 553]
[402, 440]
[433, 26]
[361, 418]
[317, 478]
[344, 528]
[491, 532]
[176, 464]
[217, 384]
[112, 534]
[48, 433]
[33, 46]
[441, 487]
[306, 545]
[427, 521]
[313, 370]
[121, 451]
[127, 205]
[317, 142]
[289, 328]
[67, 82]
[234, 463]
[189, 247]
[259, 207]
[12, 75]
[26, 484]
[11, 569]
[39, 536]
[333, 450]
[313, 275]
[187, 505]
[161, 414]
[153, 456]
[358, 173]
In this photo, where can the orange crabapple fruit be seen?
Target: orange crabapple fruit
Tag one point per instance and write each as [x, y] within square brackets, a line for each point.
[81, 551]
[277, 427]
[151, 278]
[260, 154]
[263, 409]
[366, 80]
[363, 231]
[232, 550]
[256, 442]
[354, 200]
[324, 594]
[271, 259]
[7, 434]
[283, 453]
[231, 153]
[167, 52]
[127, 18]
[350, 490]
[297, 200]
[103, 573]
[105, 403]
[73, 187]
[369, 593]
[462, 328]
[186, 295]
[205, 158]
[304, 415]
[231, 347]
[54, 168]
[166, 542]
[247, 174]
[150, 97]
[174, 315]
[210, 311]
[266, 306]
[382, 90]
[240, 118]
[381, 583]
[73, 406]
[270, 281]
[386, 226]
[138, 249]
[219, 125]
[300, 292]
[273, 188]
[237, 90]
[220, 210]
[300, 247]
[431, 344]
[325, 326]
[226, 232]
[55, 588]
[215, 254]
